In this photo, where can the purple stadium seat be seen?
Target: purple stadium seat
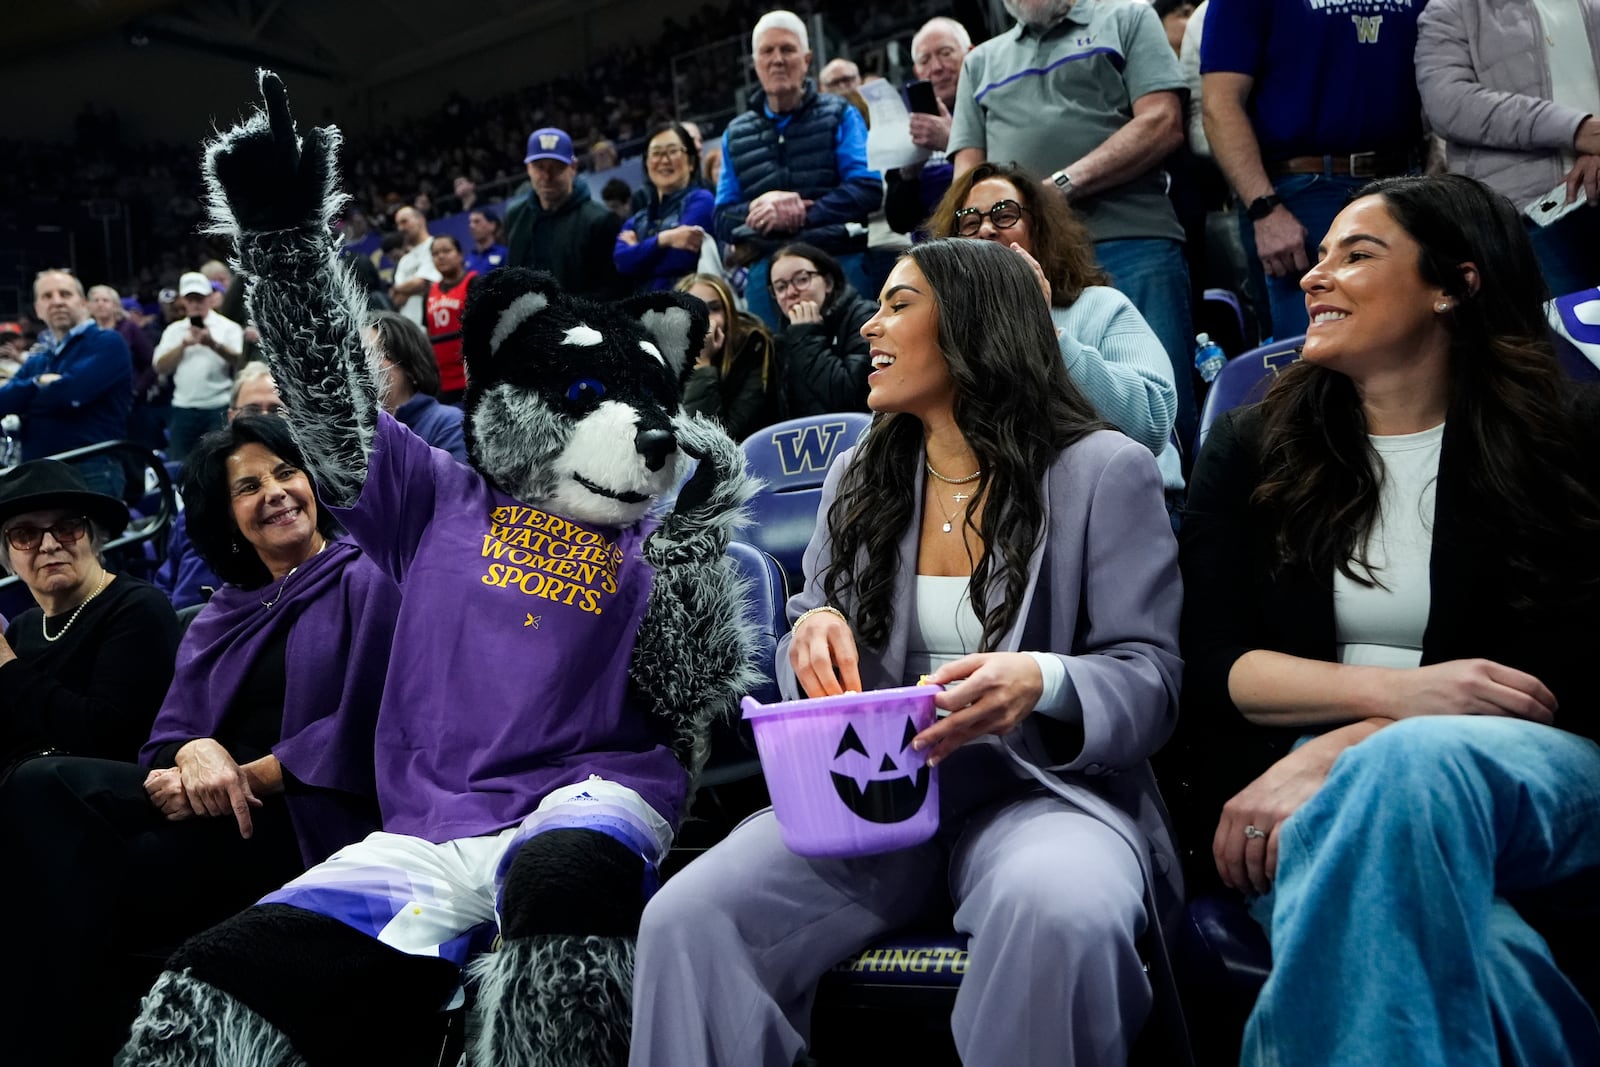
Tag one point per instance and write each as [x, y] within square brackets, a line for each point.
[793, 458]
[1244, 380]
[1575, 333]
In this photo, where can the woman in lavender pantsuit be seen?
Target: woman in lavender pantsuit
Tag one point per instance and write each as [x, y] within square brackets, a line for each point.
[988, 532]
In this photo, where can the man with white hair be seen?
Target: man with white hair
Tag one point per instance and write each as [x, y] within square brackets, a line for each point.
[1087, 97]
[937, 52]
[794, 167]
[77, 390]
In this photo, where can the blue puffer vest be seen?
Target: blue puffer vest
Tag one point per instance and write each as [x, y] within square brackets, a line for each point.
[800, 157]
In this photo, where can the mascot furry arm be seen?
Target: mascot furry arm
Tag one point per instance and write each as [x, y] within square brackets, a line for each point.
[274, 193]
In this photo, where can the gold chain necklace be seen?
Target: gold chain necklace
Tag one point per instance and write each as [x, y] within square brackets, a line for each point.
[44, 623]
[952, 481]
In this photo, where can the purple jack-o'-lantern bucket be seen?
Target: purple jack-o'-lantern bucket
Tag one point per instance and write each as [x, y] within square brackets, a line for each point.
[843, 776]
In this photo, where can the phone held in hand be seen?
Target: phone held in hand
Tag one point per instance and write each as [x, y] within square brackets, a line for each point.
[1553, 205]
[920, 98]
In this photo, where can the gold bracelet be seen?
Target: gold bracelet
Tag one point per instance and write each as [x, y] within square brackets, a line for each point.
[827, 608]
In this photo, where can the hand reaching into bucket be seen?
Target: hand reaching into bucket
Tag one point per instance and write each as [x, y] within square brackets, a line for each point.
[823, 654]
[996, 691]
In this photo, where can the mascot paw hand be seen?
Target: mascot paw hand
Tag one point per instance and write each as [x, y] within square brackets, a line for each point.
[267, 178]
[719, 459]
[701, 521]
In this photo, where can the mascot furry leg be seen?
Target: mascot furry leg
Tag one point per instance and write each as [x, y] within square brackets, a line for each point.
[278, 986]
[559, 992]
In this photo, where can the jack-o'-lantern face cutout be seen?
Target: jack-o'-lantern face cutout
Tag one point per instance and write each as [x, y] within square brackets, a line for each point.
[870, 776]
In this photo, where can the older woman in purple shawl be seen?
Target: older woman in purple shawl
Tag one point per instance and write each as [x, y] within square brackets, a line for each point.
[259, 764]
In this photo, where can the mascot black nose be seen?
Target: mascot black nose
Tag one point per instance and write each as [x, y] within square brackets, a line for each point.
[655, 446]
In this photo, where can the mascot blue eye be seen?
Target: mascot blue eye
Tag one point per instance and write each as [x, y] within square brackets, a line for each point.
[585, 389]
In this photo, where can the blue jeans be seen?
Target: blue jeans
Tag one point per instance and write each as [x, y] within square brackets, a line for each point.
[1392, 939]
[185, 427]
[1151, 272]
[758, 298]
[1314, 199]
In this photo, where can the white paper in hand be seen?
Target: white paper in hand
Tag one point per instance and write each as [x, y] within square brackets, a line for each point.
[889, 137]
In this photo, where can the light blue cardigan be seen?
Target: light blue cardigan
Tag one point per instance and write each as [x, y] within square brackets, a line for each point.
[1121, 366]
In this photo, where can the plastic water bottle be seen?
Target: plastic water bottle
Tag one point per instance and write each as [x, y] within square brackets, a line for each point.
[1208, 357]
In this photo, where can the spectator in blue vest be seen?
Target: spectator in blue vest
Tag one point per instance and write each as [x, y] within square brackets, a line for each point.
[78, 390]
[794, 167]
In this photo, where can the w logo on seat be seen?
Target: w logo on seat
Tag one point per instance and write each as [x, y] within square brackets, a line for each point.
[1367, 27]
[808, 448]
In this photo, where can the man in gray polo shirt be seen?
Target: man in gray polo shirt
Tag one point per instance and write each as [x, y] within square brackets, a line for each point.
[1086, 96]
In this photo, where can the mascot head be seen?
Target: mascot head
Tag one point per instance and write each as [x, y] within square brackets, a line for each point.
[570, 403]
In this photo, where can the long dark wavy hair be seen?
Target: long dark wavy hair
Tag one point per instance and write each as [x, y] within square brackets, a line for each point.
[1061, 242]
[1017, 409]
[1507, 411]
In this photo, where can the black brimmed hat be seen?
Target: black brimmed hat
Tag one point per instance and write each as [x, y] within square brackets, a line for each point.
[46, 484]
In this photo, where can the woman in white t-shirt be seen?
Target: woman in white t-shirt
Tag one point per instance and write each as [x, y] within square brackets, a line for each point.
[1390, 569]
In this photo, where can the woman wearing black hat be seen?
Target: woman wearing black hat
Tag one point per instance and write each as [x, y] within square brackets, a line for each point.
[85, 671]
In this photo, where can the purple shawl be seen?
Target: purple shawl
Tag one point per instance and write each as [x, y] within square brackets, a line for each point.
[340, 610]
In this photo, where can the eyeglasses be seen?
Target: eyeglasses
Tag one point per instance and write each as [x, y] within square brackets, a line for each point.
[943, 55]
[259, 409]
[796, 281]
[1004, 214]
[24, 538]
[667, 152]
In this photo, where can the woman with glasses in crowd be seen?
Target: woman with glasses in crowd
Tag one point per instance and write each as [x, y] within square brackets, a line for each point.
[823, 360]
[732, 379]
[661, 242]
[1391, 569]
[259, 762]
[1110, 351]
[85, 671]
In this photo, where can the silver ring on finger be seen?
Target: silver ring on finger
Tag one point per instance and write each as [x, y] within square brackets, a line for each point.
[1252, 832]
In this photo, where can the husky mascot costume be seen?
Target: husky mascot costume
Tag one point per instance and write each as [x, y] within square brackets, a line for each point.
[558, 658]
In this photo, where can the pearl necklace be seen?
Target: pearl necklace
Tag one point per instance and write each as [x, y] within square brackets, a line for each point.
[44, 623]
[285, 583]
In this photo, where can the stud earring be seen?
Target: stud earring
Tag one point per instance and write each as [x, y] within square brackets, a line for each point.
[1441, 307]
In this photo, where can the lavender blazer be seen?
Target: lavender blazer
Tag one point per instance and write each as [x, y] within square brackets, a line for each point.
[1103, 594]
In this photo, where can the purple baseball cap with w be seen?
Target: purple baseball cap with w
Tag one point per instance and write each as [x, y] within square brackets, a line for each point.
[549, 143]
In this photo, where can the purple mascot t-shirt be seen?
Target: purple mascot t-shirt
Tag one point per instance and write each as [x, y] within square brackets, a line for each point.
[509, 676]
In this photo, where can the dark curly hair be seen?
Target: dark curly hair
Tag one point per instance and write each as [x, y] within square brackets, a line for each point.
[1017, 409]
[208, 502]
[1507, 399]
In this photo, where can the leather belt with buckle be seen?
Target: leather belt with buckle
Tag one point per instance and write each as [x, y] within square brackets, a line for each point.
[1354, 165]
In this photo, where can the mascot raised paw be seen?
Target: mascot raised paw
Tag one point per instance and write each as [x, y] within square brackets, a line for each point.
[560, 654]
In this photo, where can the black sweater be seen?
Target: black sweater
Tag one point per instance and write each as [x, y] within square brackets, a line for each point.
[96, 690]
[824, 366]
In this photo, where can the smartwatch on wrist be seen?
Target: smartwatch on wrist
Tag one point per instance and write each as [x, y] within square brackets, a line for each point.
[1262, 206]
[1063, 182]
